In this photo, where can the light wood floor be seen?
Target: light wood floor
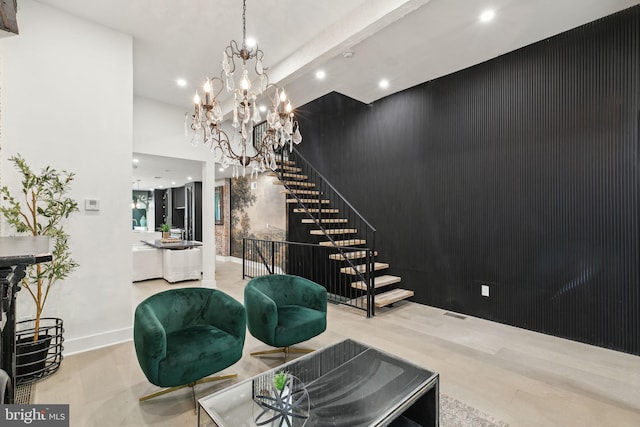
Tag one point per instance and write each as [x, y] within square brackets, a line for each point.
[520, 377]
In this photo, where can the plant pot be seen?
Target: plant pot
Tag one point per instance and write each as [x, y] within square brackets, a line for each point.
[36, 360]
[165, 234]
[31, 355]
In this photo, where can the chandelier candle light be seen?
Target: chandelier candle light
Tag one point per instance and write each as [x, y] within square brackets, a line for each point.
[206, 124]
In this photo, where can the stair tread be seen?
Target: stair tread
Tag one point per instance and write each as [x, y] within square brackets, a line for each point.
[378, 282]
[351, 242]
[286, 162]
[295, 191]
[295, 183]
[392, 296]
[288, 175]
[384, 298]
[288, 168]
[333, 231]
[325, 221]
[315, 210]
[361, 268]
[350, 255]
[324, 202]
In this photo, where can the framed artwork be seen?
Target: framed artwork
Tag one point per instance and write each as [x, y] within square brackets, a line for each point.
[8, 18]
[219, 219]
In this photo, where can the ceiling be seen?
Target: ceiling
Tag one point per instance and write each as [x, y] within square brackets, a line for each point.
[406, 42]
[157, 172]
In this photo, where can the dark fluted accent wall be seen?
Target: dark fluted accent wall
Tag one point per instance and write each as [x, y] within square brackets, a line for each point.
[520, 172]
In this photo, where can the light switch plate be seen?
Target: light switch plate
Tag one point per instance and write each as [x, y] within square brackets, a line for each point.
[91, 204]
[485, 290]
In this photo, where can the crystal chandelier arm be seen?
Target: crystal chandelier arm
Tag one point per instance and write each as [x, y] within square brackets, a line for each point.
[259, 68]
[259, 55]
[221, 84]
[224, 144]
[222, 136]
[274, 96]
[226, 148]
[231, 51]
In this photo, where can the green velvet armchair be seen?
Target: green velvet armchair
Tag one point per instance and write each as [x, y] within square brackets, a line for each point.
[284, 310]
[183, 335]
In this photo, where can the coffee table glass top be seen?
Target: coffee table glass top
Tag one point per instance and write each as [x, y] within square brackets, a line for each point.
[348, 384]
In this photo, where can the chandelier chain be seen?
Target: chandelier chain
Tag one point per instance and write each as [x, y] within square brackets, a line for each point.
[244, 23]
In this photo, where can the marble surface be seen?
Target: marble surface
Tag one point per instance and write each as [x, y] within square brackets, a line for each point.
[24, 250]
[178, 244]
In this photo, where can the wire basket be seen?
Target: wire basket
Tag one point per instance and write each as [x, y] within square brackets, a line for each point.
[36, 360]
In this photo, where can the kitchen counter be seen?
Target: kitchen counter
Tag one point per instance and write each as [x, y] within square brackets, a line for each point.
[178, 260]
[178, 244]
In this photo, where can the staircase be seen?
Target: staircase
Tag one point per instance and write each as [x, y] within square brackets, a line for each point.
[334, 221]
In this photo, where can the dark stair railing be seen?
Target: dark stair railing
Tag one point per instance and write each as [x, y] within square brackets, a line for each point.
[351, 236]
[262, 257]
[338, 221]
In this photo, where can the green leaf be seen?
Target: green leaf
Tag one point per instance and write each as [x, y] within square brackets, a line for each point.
[43, 198]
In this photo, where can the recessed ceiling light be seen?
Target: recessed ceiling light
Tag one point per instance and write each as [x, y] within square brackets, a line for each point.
[262, 108]
[320, 74]
[251, 42]
[181, 82]
[135, 160]
[221, 169]
[487, 15]
[173, 183]
[384, 83]
[189, 178]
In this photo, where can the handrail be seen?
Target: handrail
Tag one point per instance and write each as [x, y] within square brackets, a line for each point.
[321, 183]
[326, 181]
[330, 227]
[312, 261]
[319, 222]
[264, 261]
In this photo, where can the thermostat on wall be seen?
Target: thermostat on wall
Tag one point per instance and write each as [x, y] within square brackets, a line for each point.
[91, 204]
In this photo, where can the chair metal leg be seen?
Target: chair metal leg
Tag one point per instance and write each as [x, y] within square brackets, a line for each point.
[192, 385]
[278, 350]
[161, 392]
[193, 396]
[284, 350]
[218, 378]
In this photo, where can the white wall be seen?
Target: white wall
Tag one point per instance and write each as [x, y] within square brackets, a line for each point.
[158, 129]
[66, 101]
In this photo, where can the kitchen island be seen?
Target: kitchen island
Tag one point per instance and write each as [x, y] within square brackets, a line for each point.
[181, 259]
[172, 244]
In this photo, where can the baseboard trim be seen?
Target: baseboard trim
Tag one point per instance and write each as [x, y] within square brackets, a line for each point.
[93, 342]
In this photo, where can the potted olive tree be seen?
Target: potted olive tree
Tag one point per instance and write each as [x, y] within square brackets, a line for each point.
[40, 210]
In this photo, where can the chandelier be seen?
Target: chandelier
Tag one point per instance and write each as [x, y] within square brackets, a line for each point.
[253, 84]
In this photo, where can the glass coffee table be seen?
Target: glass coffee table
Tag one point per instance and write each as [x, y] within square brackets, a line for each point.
[346, 384]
